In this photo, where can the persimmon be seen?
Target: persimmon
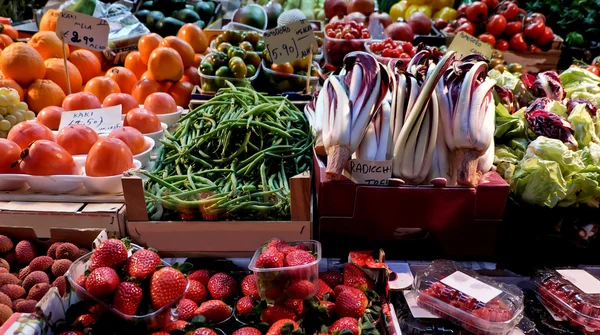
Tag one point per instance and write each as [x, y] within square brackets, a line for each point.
[165, 64]
[195, 36]
[134, 63]
[108, 157]
[55, 71]
[50, 117]
[181, 91]
[182, 47]
[143, 88]
[81, 101]
[147, 44]
[101, 87]
[143, 120]
[87, 63]
[11, 152]
[77, 139]
[191, 75]
[160, 103]
[47, 158]
[43, 93]
[126, 101]
[124, 77]
[132, 137]
[24, 133]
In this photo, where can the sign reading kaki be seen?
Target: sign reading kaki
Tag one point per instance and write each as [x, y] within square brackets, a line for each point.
[369, 172]
[465, 44]
[101, 120]
[290, 42]
[82, 30]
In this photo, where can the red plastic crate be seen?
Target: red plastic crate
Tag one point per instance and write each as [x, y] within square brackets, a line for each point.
[427, 221]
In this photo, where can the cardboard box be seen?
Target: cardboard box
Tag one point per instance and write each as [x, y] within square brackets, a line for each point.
[215, 238]
[45, 217]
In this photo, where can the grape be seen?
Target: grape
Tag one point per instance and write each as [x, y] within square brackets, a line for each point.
[23, 106]
[19, 116]
[3, 111]
[13, 97]
[29, 115]
[11, 118]
[11, 108]
[3, 134]
[5, 125]
[3, 100]
[4, 91]
[1, 117]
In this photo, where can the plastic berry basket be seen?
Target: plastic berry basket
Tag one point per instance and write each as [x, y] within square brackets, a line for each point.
[336, 49]
[285, 82]
[380, 58]
[150, 320]
[569, 302]
[496, 314]
[273, 282]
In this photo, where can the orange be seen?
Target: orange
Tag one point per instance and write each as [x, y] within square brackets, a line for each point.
[48, 45]
[98, 54]
[191, 75]
[184, 50]
[182, 93]
[87, 63]
[48, 21]
[43, 93]
[10, 31]
[198, 59]
[147, 44]
[6, 40]
[144, 88]
[20, 62]
[13, 84]
[101, 87]
[55, 71]
[134, 63]
[194, 35]
[165, 64]
[123, 77]
[147, 75]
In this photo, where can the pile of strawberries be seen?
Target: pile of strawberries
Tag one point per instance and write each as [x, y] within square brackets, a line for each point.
[28, 271]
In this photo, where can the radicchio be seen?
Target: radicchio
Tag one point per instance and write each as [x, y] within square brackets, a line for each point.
[548, 84]
[544, 123]
[589, 106]
[505, 97]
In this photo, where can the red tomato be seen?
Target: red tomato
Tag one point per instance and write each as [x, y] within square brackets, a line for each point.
[46, 158]
[534, 48]
[517, 42]
[462, 20]
[491, 3]
[509, 10]
[462, 10]
[404, 56]
[593, 70]
[108, 157]
[396, 53]
[387, 53]
[534, 28]
[468, 28]
[77, 139]
[477, 12]
[407, 47]
[502, 45]
[496, 25]
[11, 152]
[546, 37]
[513, 28]
[488, 38]
[26, 132]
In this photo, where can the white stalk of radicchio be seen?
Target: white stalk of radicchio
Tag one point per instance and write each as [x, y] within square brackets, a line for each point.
[548, 84]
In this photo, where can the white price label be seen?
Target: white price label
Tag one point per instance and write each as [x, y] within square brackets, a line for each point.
[290, 42]
[465, 44]
[471, 286]
[582, 279]
[369, 172]
[82, 30]
[102, 120]
[417, 311]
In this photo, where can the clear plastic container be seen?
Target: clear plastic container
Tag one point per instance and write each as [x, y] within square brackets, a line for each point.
[150, 320]
[272, 283]
[211, 84]
[567, 301]
[337, 49]
[284, 82]
[381, 59]
[496, 314]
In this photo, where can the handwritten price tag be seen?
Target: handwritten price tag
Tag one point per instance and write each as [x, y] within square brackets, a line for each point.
[82, 30]
[465, 44]
[102, 120]
[369, 172]
[290, 42]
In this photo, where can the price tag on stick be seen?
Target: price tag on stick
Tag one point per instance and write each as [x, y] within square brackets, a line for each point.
[82, 30]
[102, 120]
[465, 44]
[290, 42]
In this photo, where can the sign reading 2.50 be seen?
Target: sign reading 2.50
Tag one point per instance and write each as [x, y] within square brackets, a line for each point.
[82, 30]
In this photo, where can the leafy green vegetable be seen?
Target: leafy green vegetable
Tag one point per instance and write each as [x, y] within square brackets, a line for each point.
[510, 126]
[576, 79]
[585, 131]
[594, 98]
[583, 188]
[555, 150]
[539, 181]
[590, 155]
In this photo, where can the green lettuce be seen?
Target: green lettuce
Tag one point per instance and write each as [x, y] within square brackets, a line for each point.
[558, 108]
[505, 79]
[510, 125]
[583, 188]
[590, 155]
[555, 150]
[576, 79]
[594, 98]
[539, 181]
[585, 130]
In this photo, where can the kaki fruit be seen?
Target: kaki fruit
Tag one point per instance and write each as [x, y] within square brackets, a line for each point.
[50, 117]
[160, 103]
[46, 158]
[6, 82]
[194, 36]
[49, 19]
[21, 63]
[96, 53]
[126, 101]
[101, 87]
[11, 152]
[191, 75]
[77, 139]
[182, 47]
[5, 40]
[198, 60]
[181, 91]
[143, 120]
[87, 63]
[55, 71]
[134, 63]
[81, 101]
[124, 77]
[147, 44]
[108, 157]
[43, 93]
[24, 133]
[144, 88]
[132, 137]
[48, 45]
[165, 64]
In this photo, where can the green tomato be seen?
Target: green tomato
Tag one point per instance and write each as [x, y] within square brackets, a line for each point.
[250, 71]
[223, 72]
[232, 36]
[260, 46]
[219, 59]
[238, 67]
[236, 52]
[206, 68]
[224, 47]
[209, 86]
[245, 45]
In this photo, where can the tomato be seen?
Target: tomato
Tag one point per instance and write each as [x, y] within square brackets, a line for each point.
[513, 28]
[515, 68]
[509, 10]
[477, 12]
[496, 25]
[108, 157]
[407, 47]
[132, 137]
[26, 132]
[462, 20]
[539, 16]
[546, 37]
[387, 53]
[596, 61]
[487, 38]
[534, 48]
[11, 152]
[77, 139]
[491, 3]
[593, 69]
[500, 67]
[468, 28]
[534, 28]
[283, 68]
[502, 45]
[517, 42]
[462, 10]
[47, 158]
[143, 120]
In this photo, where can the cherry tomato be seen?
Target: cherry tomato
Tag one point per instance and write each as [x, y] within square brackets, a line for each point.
[330, 33]
[355, 33]
[462, 10]
[500, 67]
[491, 3]
[339, 36]
[387, 53]
[404, 55]
[513, 28]
[353, 24]
[534, 28]
[593, 70]
[468, 28]
[365, 35]
[461, 21]
[502, 45]
[349, 36]
[407, 47]
[546, 37]
[396, 53]
[488, 38]
[534, 48]
[538, 16]
[477, 12]
[496, 25]
[517, 42]
[509, 10]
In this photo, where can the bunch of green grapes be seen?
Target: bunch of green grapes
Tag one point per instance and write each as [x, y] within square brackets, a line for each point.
[12, 110]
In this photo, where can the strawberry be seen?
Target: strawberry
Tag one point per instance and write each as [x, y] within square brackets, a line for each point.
[300, 289]
[328, 307]
[110, 253]
[357, 278]
[244, 305]
[274, 242]
[272, 314]
[296, 305]
[298, 257]
[332, 278]
[127, 298]
[166, 285]
[345, 323]
[200, 275]
[284, 326]
[221, 286]
[270, 258]
[214, 311]
[177, 324]
[249, 286]
[247, 331]
[142, 264]
[323, 290]
[101, 282]
[202, 331]
[81, 280]
[185, 309]
[351, 303]
[196, 292]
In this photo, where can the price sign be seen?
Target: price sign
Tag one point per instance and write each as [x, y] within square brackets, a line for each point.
[102, 120]
[465, 44]
[369, 172]
[290, 42]
[82, 30]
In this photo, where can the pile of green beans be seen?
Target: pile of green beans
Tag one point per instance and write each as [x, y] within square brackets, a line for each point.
[230, 159]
